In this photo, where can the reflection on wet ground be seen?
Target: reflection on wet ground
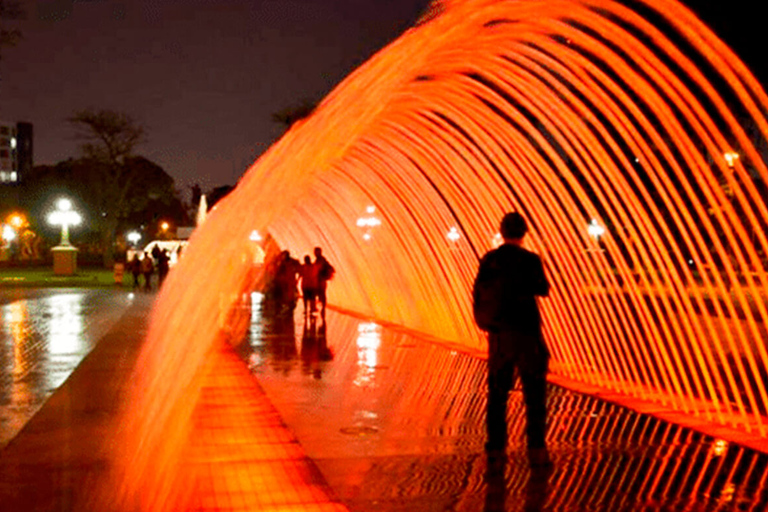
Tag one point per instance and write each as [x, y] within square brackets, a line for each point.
[397, 424]
[44, 335]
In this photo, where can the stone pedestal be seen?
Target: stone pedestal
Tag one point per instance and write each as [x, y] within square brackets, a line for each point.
[64, 260]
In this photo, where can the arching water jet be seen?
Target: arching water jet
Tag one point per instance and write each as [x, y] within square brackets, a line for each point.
[565, 110]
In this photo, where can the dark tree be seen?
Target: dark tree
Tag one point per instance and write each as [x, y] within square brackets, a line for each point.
[294, 113]
[217, 194]
[145, 194]
[114, 181]
[110, 136]
[197, 193]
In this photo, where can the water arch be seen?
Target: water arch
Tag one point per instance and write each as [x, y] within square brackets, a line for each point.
[567, 111]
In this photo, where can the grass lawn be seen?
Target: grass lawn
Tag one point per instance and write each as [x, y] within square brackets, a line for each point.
[43, 277]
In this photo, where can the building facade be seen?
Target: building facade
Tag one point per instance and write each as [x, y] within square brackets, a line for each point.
[15, 151]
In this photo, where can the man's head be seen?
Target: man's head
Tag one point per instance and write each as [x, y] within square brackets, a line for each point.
[318, 252]
[513, 226]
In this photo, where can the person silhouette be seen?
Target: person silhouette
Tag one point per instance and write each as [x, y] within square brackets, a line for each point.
[310, 281]
[134, 265]
[286, 281]
[325, 273]
[147, 269]
[163, 266]
[504, 299]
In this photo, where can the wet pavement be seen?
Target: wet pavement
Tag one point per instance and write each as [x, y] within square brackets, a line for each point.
[389, 423]
[44, 335]
[395, 423]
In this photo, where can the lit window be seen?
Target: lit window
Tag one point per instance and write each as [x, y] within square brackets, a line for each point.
[14, 176]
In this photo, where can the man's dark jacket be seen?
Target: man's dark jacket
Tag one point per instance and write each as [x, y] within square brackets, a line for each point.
[519, 277]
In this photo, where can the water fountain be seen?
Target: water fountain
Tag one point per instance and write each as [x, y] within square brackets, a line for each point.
[565, 110]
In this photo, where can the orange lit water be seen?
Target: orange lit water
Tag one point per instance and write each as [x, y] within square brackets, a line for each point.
[567, 111]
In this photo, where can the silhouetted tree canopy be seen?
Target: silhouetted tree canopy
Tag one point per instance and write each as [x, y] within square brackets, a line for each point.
[290, 115]
[146, 194]
[110, 136]
[217, 194]
[115, 183]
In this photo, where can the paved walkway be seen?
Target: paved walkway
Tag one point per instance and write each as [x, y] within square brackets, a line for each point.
[397, 424]
[44, 336]
[240, 456]
[58, 455]
[359, 417]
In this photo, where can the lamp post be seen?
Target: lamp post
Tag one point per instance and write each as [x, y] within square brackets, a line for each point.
[595, 230]
[368, 223]
[730, 158]
[7, 235]
[64, 216]
[64, 255]
[133, 237]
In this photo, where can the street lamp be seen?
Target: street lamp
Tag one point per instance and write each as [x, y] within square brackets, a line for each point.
[595, 230]
[64, 216]
[730, 158]
[64, 255]
[453, 235]
[9, 235]
[369, 222]
[133, 237]
[16, 220]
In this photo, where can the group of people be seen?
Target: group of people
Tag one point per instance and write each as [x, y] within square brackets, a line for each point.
[311, 277]
[158, 260]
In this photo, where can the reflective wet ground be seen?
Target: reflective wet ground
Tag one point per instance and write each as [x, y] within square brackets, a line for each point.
[44, 335]
[397, 424]
[391, 422]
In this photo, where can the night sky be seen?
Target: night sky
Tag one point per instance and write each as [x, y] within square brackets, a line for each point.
[204, 76]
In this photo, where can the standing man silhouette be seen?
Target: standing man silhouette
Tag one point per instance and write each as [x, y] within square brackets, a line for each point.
[325, 273]
[508, 281]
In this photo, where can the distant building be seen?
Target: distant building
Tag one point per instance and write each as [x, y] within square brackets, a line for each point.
[15, 151]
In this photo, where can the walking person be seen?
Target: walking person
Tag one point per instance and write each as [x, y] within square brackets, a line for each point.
[147, 269]
[134, 266]
[310, 281]
[325, 274]
[506, 286]
[286, 281]
[163, 266]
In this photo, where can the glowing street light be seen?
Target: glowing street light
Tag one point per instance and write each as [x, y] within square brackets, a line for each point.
[371, 221]
[9, 234]
[368, 222]
[64, 255]
[133, 237]
[16, 220]
[255, 236]
[453, 235]
[730, 158]
[595, 230]
[64, 216]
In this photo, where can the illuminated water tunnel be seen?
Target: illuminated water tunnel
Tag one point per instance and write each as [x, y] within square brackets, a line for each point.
[628, 134]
